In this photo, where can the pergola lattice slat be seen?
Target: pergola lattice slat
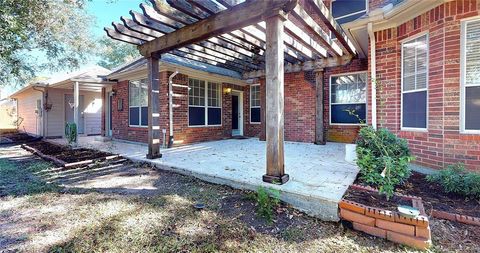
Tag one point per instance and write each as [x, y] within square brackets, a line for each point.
[242, 49]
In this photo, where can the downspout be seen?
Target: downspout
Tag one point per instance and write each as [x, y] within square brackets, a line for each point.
[170, 107]
[43, 111]
[373, 73]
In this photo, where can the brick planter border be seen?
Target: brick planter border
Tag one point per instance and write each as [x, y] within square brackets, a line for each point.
[390, 225]
[456, 217]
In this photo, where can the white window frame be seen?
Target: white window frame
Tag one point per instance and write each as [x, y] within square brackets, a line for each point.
[251, 106]
[351, 14]
[415, 129]
[463, 85]
[206, 103]
[140, 107]
[330, 100]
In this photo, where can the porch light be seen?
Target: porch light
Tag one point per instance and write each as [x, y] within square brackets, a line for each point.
[227, 90]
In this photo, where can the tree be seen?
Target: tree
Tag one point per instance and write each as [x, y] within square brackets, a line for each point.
[39, 35]
[114, 53]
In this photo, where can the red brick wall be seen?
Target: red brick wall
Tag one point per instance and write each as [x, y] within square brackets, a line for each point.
[443, 143]
[120, 128]
[250, 130]
[183, 134]
[299, 109]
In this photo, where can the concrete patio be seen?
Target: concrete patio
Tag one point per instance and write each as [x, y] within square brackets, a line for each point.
[319, 175]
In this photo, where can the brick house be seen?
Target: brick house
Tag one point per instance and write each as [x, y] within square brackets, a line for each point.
[415, 72]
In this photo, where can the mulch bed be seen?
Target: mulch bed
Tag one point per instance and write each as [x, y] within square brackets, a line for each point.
[434, 197]
[17, 138]
[67, 154]
[375, 200]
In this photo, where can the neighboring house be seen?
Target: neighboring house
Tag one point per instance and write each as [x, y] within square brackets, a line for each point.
[44, 108]
[424, 62]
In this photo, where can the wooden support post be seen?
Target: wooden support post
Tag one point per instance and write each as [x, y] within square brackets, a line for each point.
[275, 101]
[319, 116]
[153, 108]
[76, 102]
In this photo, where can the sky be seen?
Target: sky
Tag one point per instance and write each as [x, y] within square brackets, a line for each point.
[105, 12]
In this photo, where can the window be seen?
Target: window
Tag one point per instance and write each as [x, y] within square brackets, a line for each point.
[138, 103]
[471, 75]
[255, 104]
[348, 99]
[414, 83]
[204, 103]
[344, 11]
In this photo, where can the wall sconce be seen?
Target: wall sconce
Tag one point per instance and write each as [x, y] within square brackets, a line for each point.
[227, 90]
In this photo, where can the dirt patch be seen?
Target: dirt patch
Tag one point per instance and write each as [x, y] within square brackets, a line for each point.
[434, 197]
[67, 154]
[16, 138]
[375, 200]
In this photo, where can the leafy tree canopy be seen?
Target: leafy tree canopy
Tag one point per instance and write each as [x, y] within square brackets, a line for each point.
[114, 53]
[39, 35]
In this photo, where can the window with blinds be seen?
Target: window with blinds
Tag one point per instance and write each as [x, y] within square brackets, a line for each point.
[138, 103]
[348, 98]
[415, 83]
[255, 104]
[471, 75]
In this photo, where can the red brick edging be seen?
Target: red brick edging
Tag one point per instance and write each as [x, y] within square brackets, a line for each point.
[456, 217]
[390, 225]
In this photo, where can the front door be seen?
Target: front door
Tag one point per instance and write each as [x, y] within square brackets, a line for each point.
[69, 112]
[237, 114]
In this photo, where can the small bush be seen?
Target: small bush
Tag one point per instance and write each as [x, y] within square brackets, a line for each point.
[383, 159]
[455, 179]
[267, 200]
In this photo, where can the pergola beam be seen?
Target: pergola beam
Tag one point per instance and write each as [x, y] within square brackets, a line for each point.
[275, 171]
[157, 14]
[319, 8]
[304, 21]
[305, 66]
[229, 20]
[120, 37]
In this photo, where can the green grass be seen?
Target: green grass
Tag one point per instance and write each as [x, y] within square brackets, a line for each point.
[38, 216]
[22, 180]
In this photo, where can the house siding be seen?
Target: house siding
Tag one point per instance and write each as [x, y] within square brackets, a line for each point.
[27, 103]
[92, 109]
[442, 143]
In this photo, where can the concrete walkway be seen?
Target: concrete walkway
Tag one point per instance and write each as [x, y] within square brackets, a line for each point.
[319, 175]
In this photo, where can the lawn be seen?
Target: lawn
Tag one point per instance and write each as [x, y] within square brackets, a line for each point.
[133, 208]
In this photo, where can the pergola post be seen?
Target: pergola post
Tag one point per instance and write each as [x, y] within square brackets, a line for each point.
[319, 106]
[275, 100]
[76, 99]
[153, 108]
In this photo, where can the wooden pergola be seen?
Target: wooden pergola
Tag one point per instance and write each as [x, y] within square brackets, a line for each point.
[257, 38]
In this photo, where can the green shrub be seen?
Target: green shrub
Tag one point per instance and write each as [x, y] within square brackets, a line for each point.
[455, 179]
[267, 200]
[383, 159]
